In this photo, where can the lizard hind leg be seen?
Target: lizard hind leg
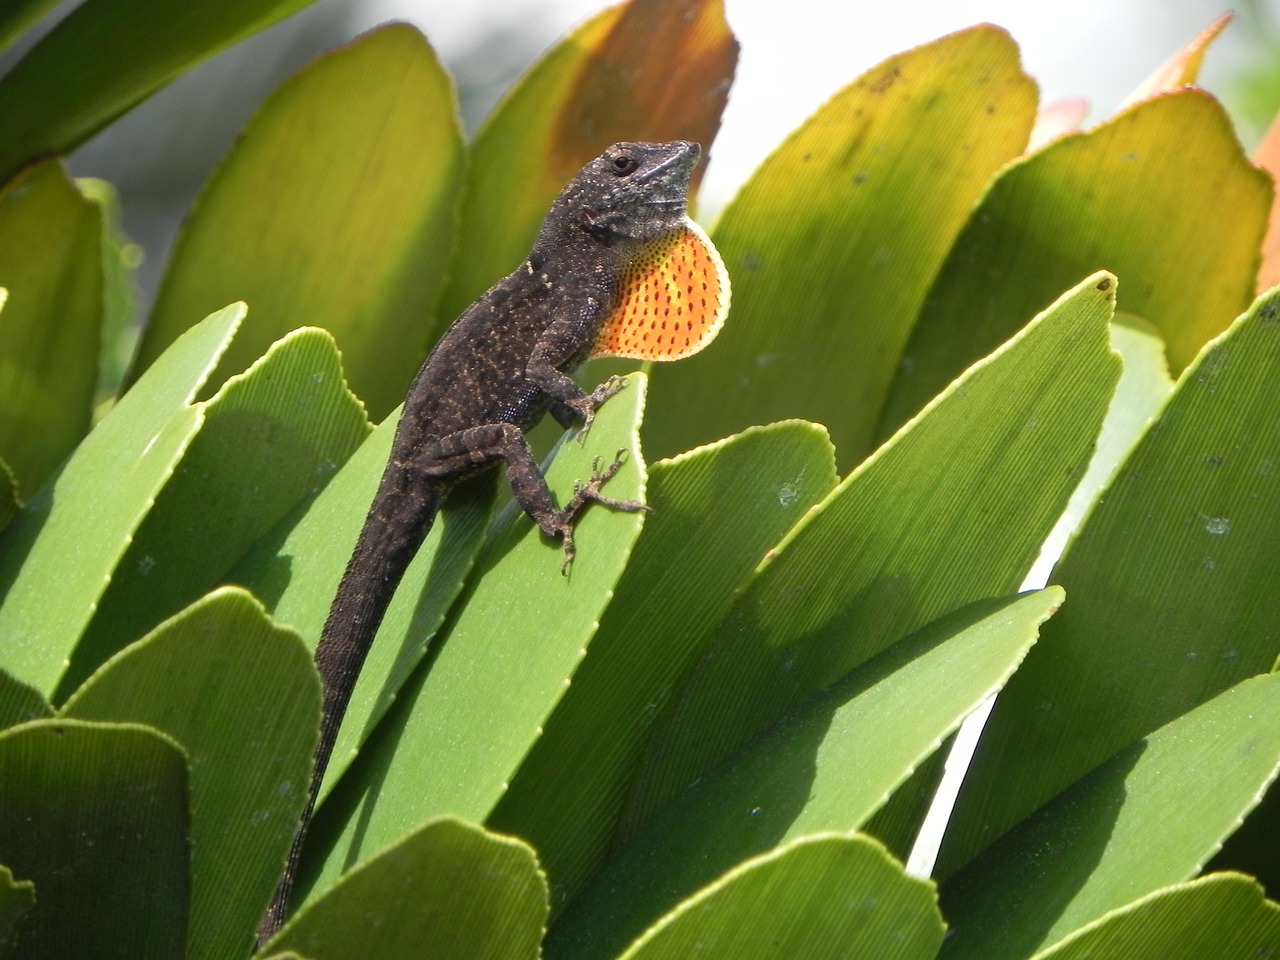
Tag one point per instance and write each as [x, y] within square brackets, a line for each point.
[484, 444]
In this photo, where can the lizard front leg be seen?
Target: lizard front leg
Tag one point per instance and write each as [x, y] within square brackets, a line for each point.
[476, 447]
[562, 346]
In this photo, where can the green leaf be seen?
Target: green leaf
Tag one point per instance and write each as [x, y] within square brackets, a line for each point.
[51, 551]
[296, 571]
[107, 55]
[716, 511]
[1113, 837]
[361, 157]
[643, 70]
[96, 816]
[458, 732]
[17, 897]
[269, 438]
[20, 703]
[9, 505]
[834, 241]
[121, 258]
[239, 692]
[1171, 591]
[51, 324]
[819, 897]
[452, 885]
[826, 767]
[952, 510]
[1221, 917]
[17, 15]
[1161, 195]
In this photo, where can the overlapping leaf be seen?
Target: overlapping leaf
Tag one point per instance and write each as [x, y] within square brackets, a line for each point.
[826, 767]
[1170, 581]
[240, 695]
[1111, 838]
[1161, 195]
[716, 511]
[51, 322]
[833, 243]
[335, 208]
[951, 511]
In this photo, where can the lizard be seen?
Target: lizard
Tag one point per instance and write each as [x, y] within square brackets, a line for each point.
[618, 269]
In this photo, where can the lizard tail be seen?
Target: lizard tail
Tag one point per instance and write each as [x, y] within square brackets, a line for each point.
[398, 521]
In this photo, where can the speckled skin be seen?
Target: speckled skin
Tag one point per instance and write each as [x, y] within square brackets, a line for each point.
[502, 365]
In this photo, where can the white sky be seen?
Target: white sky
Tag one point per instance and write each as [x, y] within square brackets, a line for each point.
[797, 53]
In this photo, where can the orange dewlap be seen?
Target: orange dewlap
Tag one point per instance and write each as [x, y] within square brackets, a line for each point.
[673, 302]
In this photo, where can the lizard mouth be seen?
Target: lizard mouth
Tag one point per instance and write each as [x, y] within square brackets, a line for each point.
[686, 158]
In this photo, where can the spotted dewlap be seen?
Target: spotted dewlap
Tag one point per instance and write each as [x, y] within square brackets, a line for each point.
[673, 301]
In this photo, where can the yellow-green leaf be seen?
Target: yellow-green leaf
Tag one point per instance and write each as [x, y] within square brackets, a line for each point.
[834, 241]
[335, 209]
[1162, 196]
[51, 324]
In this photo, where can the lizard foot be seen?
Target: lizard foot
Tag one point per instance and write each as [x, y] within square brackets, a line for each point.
[592, 401]
[589, 492]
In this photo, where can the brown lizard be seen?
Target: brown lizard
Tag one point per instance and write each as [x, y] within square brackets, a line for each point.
[619, 270]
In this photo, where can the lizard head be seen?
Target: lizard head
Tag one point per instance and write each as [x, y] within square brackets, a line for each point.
[631, 192]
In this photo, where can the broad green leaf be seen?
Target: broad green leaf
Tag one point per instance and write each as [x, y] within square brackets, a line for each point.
[269, 438]
[296, 570]
[641, 70]
[833, 243]
[716, 511]
[20, 703]
[950, 511]
[1171, 585]
[823, 897]
[240, 694]
[1162, 196]
[826, 767]
[1150, 816]
[335, 208]
[17, 897]
[450, 887]
[95, 815]
[17, 15]
[51, 324]
[1220, 917]
[51, 550]
[107, 55]
[458, 732]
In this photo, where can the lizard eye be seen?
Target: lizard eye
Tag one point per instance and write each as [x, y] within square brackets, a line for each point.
[624, 163]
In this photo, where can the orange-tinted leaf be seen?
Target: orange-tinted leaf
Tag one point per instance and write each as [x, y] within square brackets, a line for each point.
[643, 70]
[1182, 68]
[1267, 156]
[1056, 120]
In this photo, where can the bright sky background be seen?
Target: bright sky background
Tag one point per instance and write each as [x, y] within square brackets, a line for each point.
[797, 53]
